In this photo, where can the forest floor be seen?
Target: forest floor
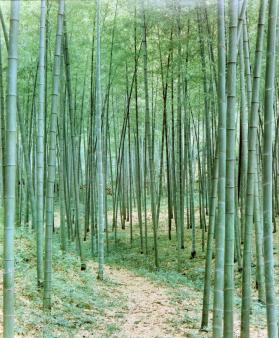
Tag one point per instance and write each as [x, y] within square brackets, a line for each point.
[133, 301]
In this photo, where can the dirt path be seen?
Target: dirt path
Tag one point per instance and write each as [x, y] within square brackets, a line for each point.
[124, 305]
[149, 307]
[155, 311]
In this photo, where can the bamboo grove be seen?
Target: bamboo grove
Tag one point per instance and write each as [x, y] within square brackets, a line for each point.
[143, 120]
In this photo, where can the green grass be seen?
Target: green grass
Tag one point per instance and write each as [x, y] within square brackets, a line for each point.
[130, 257]
[81, 303]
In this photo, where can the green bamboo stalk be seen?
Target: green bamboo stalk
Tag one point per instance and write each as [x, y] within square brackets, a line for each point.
[40, 144]
[179, 191]
[259, 240]
[100, 174]
[230, 173]
[10, 175]
[272, 317]
[73, 145]
[52, 159]
[220, 229]
[251, 196]
[148, 140]
[209, 249]
[2, 128]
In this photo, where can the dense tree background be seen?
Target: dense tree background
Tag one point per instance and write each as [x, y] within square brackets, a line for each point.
[158, 123]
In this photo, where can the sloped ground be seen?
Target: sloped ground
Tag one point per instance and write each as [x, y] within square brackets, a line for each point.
[134, 300]
[123, 305]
